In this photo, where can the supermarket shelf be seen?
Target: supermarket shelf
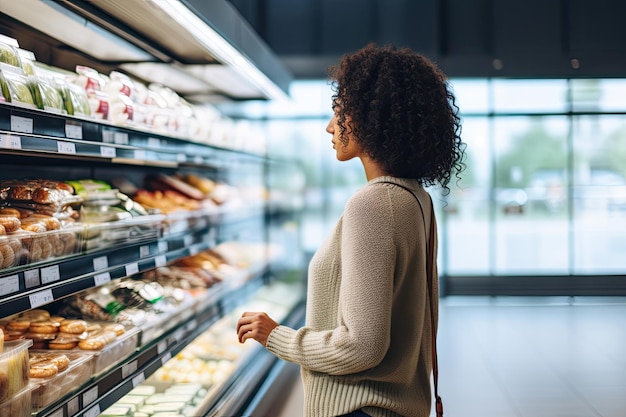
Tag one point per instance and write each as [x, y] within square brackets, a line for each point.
[35, 132]
[33, 286]
[103, 391]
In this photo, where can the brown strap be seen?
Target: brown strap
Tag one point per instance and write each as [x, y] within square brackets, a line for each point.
[430, 272]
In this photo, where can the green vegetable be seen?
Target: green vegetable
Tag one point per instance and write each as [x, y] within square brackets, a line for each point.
[8, 55]
[75, 99]
[51, 97]
[35, 91]
[5, 88]
[19, 91]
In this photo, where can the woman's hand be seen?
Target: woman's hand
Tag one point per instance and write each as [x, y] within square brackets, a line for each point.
[255, 325]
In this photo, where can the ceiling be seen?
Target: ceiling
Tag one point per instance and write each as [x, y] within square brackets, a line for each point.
[203, 50]
[467, 38]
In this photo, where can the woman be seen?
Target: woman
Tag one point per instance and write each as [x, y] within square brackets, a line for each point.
[365, 349]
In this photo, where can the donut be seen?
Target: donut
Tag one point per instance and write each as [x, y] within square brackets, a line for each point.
[61, 361]
[3, 231]
[53, 344]
[115, 327]
[37, 314]
[44, 369]
[10, 211]
[92, 343]
[1, 340]
[35, 226]
[73, 326]
[51, 222]
[44, 327]
[10, 335]
[46, 249]
[10, 223]
[8, 255]
[19, 324]
[57, 319]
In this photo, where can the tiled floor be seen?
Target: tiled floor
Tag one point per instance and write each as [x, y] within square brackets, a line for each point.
[527, 357]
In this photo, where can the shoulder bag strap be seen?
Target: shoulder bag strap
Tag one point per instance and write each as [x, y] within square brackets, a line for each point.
[430, 260]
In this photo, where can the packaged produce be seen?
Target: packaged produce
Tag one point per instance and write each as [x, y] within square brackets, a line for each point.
[8, 51]
[15, 87]
[27, 59]
[91, 81]
[75, 100]
[49, 92]
[119, 90]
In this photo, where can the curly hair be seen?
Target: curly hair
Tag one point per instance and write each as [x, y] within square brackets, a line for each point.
[398, 107]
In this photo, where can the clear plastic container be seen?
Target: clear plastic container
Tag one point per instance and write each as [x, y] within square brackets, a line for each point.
[48, 390]
[14, 368]
[19, 404]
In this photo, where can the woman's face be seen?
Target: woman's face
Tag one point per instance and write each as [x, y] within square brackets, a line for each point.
[343, 152]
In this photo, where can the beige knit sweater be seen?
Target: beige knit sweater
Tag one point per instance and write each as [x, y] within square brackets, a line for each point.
[366, 343]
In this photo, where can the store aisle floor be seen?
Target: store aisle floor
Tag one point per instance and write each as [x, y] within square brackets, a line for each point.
[527, 357]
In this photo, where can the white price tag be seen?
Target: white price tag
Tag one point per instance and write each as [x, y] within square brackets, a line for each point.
[40, 298]
[161, 347]
[50, 274]
[102, 279]
[163, 246]
[188, 240]
[181, 157]
[160, 260]
[144, 250]
[132, 269]
[140, 154]
[10, 141]
[108, 152]
[73, 406]
[198, 159]
[120, 138]
[73, 130]
[101, 262]
[178, 334]
[138, 379]
[9, 285]
[166, 358]
[93, 411]
[21, 124]
[129, 369]
[31, 278]
[154, 143]
[90, 396]
[66, 147]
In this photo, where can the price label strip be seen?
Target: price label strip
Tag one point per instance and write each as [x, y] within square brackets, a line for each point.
[10, 142]
[41, 298]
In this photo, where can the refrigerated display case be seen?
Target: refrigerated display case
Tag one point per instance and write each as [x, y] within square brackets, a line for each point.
[255, 226]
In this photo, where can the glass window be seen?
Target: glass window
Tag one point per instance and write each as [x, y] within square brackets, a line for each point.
[598, 95]
[530, 195]
[472, 96]
[464, 213]
[599, 194]
[529, 96]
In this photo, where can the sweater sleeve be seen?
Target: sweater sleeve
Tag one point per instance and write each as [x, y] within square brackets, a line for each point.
[362, 334]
